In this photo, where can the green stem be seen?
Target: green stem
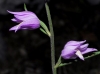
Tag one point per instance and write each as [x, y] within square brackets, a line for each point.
[51, 38]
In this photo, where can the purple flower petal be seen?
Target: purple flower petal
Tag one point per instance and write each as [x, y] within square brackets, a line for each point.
[75, 43]
[89, 50]
[29, 24]
[16, 20]
[13, 28]
[26, 17]
[21, 13]
[68, 52]
[83, 47]
[34, 23]
[70, 56]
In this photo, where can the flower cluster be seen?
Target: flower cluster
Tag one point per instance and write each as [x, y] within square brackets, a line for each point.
[29, 20]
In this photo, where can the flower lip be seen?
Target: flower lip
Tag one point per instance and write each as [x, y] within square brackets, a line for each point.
[79, 54]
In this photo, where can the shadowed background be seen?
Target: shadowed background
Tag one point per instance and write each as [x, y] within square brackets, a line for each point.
[28, 51]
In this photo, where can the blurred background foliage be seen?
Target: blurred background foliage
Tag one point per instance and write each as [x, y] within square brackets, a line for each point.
[28, 51]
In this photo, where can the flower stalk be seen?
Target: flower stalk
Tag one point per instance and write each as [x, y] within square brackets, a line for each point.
[51, 38]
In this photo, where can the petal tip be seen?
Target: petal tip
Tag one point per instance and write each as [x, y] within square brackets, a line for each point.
[8, 11]
[10, 29]
[82, 59]
[95, 49]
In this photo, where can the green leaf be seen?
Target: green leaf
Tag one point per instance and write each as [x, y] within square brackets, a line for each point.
[43, 25]
[25, 7]
[43, 31]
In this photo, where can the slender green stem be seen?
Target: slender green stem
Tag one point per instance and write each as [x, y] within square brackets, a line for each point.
[51, 38]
